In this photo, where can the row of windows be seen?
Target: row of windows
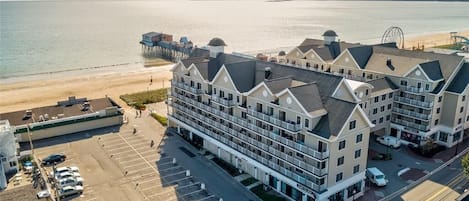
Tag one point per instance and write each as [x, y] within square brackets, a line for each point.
[358, 139]
[383, 97]
[375, 110]
[381, 119]
[340, 160]
[340, 176]
[419, 85]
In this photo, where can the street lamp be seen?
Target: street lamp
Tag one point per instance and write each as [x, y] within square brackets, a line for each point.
[30, 141]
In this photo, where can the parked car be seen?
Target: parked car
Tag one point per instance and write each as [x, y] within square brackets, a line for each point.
[70, 190]
[389, 141]
[43, 194]
[53, 158]
[60, 170]
[70, 181]
[376, 176]
[64, 175]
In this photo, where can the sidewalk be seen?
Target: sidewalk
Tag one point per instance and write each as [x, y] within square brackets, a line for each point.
[447, 154]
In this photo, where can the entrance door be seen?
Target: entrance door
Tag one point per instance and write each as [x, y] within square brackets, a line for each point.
[393, 132]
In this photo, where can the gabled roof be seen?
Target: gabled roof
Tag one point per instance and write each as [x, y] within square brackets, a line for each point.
[402, 61]
[308, 96]
[432, 69]
[242, 75]
[382, 84]
[338, 112]
[326, 52]
[460, 81]
[278, 84]
[361, 54]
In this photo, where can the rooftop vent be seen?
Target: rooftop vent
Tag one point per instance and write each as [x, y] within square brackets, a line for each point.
[267, 72]
[389, 64]
[27, 114]
[85, 106]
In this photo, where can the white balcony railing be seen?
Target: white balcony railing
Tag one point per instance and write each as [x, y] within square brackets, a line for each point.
[411, 124]
[185, 87]
[424, 104]
[413, 89]
[276, 121]
[421, 116]
[223, 101]
[243, 123]
[298, 178]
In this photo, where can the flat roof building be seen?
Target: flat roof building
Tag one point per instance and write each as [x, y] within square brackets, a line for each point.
[69, 116]
[8, 152]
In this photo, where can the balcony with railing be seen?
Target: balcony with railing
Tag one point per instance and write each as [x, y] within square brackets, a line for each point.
[413, 125]
[413, 102]
[223, 101]
[186, 87]
[275, 121]
[298, 178]
[244, 123]
[411, 89]
[425, 117]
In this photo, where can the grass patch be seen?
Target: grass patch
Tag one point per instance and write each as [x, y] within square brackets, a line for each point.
[450, 46]
[249, 181]
[145, 97]
[266, 195]
[163, 120]
[232, 170]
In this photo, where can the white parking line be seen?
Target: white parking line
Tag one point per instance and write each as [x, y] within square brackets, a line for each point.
[176, 167]
[128, 161]
[189, 185]
[211, 196]
[144, 176]
[193, 192]
[174, 174]
[134, 165]
[138, 170]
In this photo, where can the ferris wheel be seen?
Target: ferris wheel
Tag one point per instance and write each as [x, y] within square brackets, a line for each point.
[394, 35]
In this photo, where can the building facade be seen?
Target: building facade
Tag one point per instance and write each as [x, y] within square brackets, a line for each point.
[8, 152]
[69, 116]
[297, 131]
[418, 97]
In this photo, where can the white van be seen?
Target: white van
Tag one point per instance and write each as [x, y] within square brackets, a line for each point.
[376, 176]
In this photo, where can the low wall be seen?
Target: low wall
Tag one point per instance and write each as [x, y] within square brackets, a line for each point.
[71, 128]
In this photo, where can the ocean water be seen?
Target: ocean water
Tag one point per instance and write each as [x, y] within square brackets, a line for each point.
[51, 36]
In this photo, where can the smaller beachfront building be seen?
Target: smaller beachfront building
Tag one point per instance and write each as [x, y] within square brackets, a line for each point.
[8, 154]
[66, 117]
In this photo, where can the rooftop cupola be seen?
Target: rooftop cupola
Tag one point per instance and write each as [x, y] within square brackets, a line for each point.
[329, 37]
[215, 46]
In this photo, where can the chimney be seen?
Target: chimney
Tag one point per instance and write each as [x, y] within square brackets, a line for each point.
[267, 73]
[388, 62]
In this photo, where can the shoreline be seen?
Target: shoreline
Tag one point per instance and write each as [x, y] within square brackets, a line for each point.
[23, 92]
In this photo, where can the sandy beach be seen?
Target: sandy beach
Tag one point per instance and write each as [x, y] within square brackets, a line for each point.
[42, 91]
[431, 40]
[26, 92]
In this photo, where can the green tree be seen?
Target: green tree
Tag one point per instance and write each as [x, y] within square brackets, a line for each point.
[465, 164]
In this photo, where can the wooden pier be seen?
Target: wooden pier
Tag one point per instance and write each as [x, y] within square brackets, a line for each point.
[155, 44]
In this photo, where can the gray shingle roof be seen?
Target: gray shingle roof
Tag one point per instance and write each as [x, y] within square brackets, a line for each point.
[242, 74]
[460, 81]
[361, 54]
[326, 52]
[432, 69]
[308, 96]
[338, 112]
[247, 73]
[278, 84]
[382, 84]
[199, 52]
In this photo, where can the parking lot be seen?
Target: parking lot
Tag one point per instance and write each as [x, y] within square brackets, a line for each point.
[117, 164]
[402, 158]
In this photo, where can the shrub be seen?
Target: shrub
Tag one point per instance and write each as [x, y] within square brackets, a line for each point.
[163, 120]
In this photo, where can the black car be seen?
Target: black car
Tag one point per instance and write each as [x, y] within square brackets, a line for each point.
[53, 158]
